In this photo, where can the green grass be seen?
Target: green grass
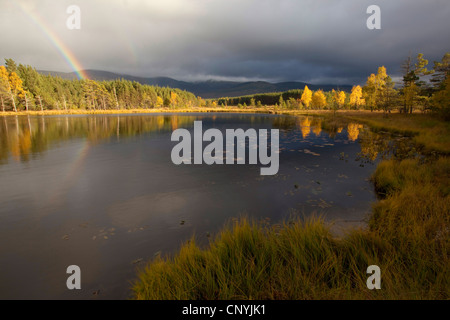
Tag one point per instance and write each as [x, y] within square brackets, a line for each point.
[408, 237]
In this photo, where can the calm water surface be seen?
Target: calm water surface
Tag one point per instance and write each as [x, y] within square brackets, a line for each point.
[102, 193]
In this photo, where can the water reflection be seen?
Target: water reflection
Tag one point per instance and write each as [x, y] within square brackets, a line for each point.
[306, 125]
[384, 145]
[353, 131]
[374, 145]
[22, 137]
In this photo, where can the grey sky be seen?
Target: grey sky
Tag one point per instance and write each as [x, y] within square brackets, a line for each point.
[317, 41]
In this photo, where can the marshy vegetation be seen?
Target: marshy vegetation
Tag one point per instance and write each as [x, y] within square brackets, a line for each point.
[407, 237]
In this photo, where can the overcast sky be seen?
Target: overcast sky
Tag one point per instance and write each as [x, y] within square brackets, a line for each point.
[316, 41]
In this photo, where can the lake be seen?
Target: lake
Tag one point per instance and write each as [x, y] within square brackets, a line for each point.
[101, 192]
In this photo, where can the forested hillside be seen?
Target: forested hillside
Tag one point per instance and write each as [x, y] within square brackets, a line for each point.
[210, 89]
[23, 88]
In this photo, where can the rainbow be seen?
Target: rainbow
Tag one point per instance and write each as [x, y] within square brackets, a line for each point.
[55, 40]
[71, 178]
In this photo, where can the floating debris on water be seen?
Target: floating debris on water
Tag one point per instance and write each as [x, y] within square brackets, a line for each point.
[137, 261]
[310, 152]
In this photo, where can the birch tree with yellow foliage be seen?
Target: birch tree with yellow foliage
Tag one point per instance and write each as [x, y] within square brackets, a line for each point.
[356, 97]
[4, 86]
[10, 85]
[159, 102]
[319, 101]
[374, 88]
[306, 97]
[173, 99]
[338, 99]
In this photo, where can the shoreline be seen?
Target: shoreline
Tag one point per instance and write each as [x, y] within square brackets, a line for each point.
[267, 110]
[423, 127]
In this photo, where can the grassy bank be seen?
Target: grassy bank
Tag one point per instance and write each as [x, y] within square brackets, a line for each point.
[299, 260]
[408, 237]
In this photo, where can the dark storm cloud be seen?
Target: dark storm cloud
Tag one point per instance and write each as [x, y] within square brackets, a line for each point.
[280, 40]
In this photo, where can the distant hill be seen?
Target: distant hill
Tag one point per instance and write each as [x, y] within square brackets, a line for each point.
[205, 89]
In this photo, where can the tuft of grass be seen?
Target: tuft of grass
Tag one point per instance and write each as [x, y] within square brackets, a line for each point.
[415, 210]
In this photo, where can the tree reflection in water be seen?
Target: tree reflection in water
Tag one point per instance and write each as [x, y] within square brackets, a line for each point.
[23, 137]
